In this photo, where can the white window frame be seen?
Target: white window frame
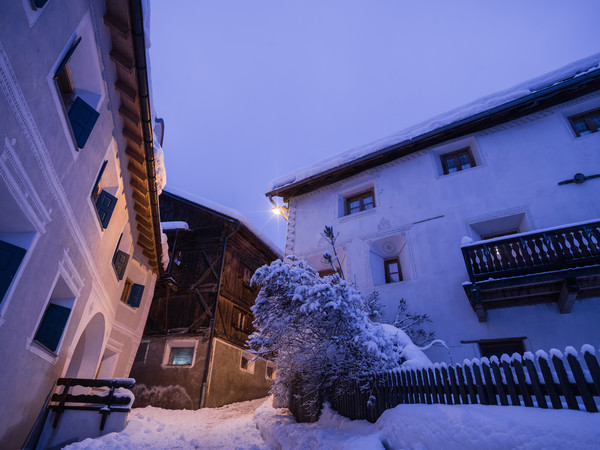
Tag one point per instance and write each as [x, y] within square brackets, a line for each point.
[179, 343]
[89, 47]
[438, 152]
[31, 343]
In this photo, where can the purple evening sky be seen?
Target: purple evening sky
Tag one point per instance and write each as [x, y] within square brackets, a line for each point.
[252, 90]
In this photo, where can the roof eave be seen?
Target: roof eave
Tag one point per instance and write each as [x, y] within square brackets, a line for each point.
[542, 99]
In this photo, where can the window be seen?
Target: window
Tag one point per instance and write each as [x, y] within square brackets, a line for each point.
[392, 270]
[104, 201]
[38, 3]
[10, 260]
[247, 362]
[498, 347]
[132, 293]
[179, 353]
[360, 202]
[270, 371]
[389, 260]
[456, 161]
[120, 260]
[246, 276]
[586, 123]
[502, 225]
[54, 321]
[181, 356]
[82, 116]
[240, 320]
[142, 353]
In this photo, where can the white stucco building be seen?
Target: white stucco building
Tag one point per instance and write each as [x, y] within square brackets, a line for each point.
[506, 177]
[80, 240]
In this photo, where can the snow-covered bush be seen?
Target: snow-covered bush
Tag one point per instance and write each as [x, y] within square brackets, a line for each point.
[412, 324]
[315, 329]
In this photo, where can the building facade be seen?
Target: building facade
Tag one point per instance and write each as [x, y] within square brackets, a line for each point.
[193, 351]
[486, 218]
[79, 225]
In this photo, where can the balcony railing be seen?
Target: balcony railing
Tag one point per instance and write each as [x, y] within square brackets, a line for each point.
[533, 253]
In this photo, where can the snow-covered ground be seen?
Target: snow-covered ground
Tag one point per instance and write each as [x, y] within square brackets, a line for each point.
[230, 427]
[404, 427]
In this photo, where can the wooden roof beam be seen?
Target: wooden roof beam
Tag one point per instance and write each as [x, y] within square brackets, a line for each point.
[128, 92]
[143, 220]
[130, 115]
[121, 60]
[135, 155]
[115, 24]
[138, 185]
[136, 171]
[141, 209]
[133, 137]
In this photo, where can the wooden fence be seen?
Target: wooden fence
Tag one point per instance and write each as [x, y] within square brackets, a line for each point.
[539, 380]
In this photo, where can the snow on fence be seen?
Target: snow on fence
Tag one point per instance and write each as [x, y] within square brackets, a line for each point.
[539, 381]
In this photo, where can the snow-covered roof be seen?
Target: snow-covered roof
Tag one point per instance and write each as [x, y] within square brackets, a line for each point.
[569, 72]
[224, 210]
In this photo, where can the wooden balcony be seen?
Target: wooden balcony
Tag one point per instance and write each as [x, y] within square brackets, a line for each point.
[553, 265]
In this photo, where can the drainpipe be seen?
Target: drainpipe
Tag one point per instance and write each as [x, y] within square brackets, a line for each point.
[207, 364]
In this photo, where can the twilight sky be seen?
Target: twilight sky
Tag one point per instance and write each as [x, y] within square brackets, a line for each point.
[252, 90]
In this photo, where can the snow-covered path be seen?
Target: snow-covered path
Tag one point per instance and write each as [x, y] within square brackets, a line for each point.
[418, 427]
[229, 427]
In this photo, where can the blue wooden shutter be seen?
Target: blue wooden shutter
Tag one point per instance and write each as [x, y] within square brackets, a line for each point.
[135, 296]
[120, 263]
[10, 260]
[105, 206]
[52, 326]
[83, 118]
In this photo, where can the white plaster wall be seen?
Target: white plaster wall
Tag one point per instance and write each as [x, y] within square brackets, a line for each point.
[519, 165]
[45, 187]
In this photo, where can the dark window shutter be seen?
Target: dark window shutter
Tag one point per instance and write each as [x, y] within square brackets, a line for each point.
[40, 4]
[10, 260]
[120, 263]
[52, 326]
[83, 118]
[135, 297]
[105, 206]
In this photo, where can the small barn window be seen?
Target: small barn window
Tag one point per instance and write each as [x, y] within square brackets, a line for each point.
[270, 371]
[179, 353]
[247, 362]
[181, 356]
[239, 319]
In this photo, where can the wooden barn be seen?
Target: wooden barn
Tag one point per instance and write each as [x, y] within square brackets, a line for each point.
[192, 352]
